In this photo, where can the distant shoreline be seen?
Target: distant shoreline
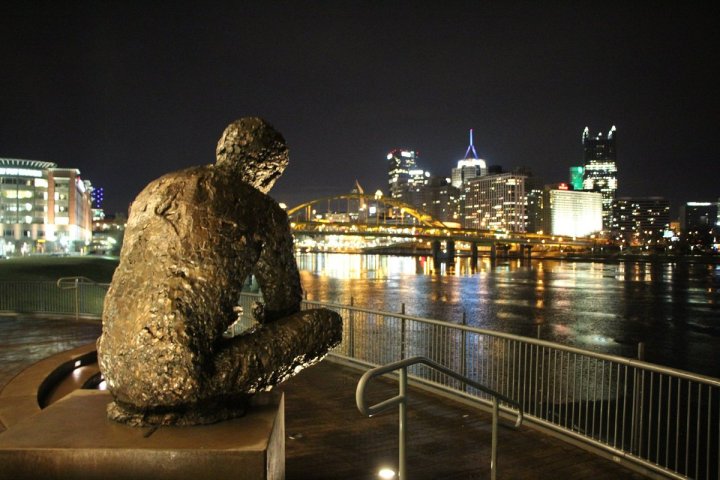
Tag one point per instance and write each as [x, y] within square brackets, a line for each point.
[575, 257]
[652, 258]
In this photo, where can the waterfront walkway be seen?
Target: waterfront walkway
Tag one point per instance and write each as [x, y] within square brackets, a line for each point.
[327, 438]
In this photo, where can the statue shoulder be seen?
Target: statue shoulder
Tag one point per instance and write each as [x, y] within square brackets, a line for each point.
[171, 184]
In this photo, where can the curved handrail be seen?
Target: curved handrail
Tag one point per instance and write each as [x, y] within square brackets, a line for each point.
[391, 367]
[401, 399]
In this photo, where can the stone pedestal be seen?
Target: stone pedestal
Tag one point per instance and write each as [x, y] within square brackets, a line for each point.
[73, 439]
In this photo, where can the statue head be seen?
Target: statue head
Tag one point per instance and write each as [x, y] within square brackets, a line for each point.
[253, 150]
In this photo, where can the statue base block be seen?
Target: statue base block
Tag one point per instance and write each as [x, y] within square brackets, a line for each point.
[73, 439]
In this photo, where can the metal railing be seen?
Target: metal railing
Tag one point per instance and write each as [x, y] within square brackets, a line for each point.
[80, 285]
[664, 420]
[401, 401]
[76, 296]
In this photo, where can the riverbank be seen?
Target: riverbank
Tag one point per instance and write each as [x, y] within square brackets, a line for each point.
[633, 257]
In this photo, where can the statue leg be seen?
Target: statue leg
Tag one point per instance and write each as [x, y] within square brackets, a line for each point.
[244, 365]
[273, 352]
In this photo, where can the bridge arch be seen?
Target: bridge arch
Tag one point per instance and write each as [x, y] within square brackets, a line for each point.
[421, 217]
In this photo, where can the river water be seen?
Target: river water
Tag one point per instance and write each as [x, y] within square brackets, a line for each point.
[673, 308]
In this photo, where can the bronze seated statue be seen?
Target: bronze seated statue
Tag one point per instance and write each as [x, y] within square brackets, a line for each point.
[191, 240]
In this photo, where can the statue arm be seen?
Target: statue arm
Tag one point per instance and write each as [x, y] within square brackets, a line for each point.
[276, 270]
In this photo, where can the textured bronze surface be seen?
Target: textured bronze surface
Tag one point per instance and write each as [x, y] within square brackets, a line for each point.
[192, 238]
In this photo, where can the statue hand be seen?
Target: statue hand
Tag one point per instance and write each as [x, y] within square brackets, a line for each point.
[258, 312]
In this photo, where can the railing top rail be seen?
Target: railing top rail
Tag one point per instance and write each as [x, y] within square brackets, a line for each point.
[402, 364]
[70, 282]
[630, 362]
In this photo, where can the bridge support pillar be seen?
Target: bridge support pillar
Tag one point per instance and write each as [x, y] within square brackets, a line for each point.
[450, 247]
[473, 254]
[436, 254]
[493, 252]
[529, 251]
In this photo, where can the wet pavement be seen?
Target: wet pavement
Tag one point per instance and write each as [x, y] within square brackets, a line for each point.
[25, 340]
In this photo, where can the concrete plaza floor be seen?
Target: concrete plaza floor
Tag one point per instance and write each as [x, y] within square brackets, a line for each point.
[327, 438]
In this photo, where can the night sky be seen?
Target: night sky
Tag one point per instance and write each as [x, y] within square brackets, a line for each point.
[128, 91]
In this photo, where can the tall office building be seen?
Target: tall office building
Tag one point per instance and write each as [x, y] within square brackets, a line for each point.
[533, 186]
[400, 163]
[441, 201]
[640, 220]
[700, 223]
[469, 167]
[413, 192]
[534, 203]
[466, 170]
[698, 215]
[571, 212]
[43, 208]
[600, 169]
[496, 202]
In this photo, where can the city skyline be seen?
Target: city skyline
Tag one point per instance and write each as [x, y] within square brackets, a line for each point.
[128, 92]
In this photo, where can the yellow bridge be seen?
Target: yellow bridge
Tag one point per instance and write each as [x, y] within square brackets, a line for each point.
[366, 223]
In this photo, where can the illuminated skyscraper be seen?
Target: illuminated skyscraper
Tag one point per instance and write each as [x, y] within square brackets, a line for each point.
[601, 170]
[400, 163]
[572, 213]
[469, 167]
[441, 201]
[413, 191]
[496, 202]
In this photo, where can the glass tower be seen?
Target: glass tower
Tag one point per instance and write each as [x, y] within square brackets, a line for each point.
[601, 170]
[400, 163]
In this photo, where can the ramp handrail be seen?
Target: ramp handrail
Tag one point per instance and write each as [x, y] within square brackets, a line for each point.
[401, 400]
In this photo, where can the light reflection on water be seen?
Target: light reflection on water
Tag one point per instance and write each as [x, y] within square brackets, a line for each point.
[673, 308]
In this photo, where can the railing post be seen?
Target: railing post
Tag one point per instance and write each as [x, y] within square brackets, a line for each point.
[402, 406]
[351, 329]
[402, 333]
[77, 299]
[635, 434]
[493, 447]
[641, 351]
[463, 349]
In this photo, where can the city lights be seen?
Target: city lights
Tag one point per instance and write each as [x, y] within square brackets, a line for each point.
[55, 204]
